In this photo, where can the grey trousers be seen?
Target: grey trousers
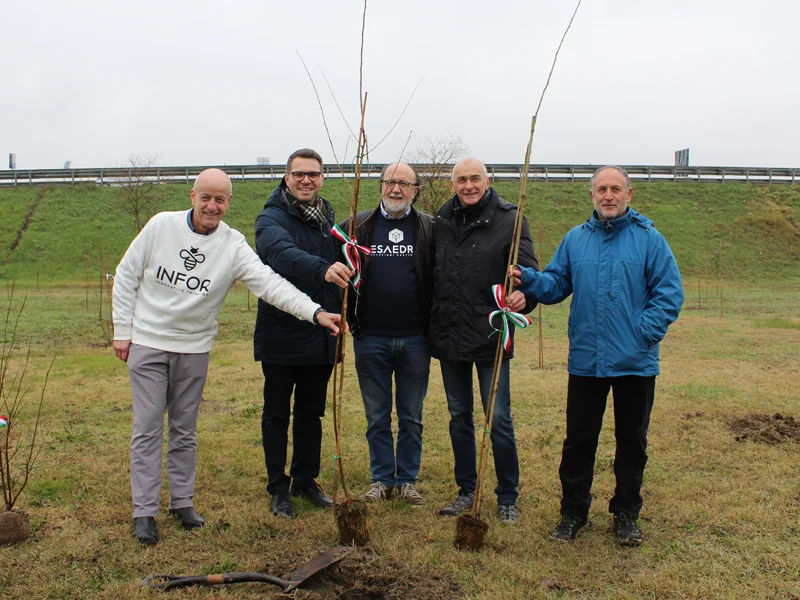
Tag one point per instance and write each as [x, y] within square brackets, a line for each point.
[173, 382]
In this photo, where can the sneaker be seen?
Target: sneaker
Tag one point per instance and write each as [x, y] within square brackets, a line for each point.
[409, 493]
[626, 530]
[459, 506]
[508, 513]
[377, 492]
[567, 529]
[313, 493]
[281, 505]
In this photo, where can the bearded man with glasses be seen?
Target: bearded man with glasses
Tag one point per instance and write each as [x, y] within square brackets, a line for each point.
[389, 318]
[293, 237]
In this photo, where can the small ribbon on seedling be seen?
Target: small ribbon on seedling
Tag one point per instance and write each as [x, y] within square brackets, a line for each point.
[518, 320]
[351, 251]
[3, 420]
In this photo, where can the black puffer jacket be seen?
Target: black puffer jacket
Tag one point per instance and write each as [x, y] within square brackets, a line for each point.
[423, 257]
[471, 255]
[301, 252]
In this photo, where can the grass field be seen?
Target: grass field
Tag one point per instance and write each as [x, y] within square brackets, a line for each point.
[721, 516]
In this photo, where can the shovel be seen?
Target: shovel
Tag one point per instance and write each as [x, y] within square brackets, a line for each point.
[296, 579]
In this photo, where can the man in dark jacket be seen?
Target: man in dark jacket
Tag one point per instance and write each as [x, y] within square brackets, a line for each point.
[473, 234]
[389, 319]
[626, 290]
[293, 237]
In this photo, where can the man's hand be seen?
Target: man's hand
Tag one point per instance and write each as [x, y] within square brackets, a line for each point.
[515, 273]
[516, 301]
[121, 348]
[339, 273]
[329, 320]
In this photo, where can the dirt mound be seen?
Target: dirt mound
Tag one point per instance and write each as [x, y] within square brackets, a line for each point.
[767, 429]
[365, 575]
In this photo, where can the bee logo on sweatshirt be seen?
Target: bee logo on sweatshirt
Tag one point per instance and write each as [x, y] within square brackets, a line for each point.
[192, 257]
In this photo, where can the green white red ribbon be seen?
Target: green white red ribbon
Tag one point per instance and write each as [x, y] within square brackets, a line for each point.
[517, 319]
[3, 420]
[351, 251]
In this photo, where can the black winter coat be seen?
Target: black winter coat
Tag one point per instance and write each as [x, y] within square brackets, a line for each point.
[300, 252]
[469, 258]
[423, 263]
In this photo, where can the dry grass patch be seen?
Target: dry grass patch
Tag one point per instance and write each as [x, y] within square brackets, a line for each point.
[721, 518]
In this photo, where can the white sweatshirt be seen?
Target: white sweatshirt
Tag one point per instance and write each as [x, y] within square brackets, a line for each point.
[172, 282]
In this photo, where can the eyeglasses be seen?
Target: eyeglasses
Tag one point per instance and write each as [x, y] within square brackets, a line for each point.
[299, 175]
[404, 185]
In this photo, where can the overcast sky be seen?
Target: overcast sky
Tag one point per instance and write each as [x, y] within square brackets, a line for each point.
[201, 83]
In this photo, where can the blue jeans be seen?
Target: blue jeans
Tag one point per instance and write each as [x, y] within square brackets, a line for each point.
[457, 379]
[377, 357]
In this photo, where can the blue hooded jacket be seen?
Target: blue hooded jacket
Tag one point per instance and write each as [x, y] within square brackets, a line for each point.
[626, 290]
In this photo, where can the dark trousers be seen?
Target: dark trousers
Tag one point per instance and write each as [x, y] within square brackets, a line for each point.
[457, 380]
[586, 403]
[310, 384]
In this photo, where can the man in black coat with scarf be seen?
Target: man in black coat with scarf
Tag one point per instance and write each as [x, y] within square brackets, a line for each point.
[293, 237]
[472, 234]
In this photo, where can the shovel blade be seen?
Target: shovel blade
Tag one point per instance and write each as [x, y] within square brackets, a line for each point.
[315, 565]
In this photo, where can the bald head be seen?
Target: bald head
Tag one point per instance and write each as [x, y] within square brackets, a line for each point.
[216, 178]
[472, 164]
[211, 197]
[470, 181]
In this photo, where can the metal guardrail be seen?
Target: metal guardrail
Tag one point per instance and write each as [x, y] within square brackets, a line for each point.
[539, 172]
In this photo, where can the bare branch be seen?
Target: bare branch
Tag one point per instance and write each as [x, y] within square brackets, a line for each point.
[388, 133]
[324, 121]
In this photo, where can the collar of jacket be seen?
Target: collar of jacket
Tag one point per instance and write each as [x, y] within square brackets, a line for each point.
[281, 198]
[615, 224]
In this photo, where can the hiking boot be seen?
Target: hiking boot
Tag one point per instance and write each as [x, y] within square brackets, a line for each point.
[626, 529]
[508, 513]
[144, 530]
[377, 492]
[281, 505]
[313, 493]
[187, 517]
[459, 506]
[567, 529]
[408, 493]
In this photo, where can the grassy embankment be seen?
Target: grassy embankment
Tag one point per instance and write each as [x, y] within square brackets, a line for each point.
[721, 517]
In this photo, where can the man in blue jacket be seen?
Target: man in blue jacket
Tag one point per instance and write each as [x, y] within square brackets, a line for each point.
[293, 237]
[626, 291]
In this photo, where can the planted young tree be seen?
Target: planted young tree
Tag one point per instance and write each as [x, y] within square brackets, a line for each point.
[435, 158]
[20, 419]
[137, 194]
[470, 528]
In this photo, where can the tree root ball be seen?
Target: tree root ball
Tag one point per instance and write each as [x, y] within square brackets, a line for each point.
[14, 527]
[351, 519]
[470, 533]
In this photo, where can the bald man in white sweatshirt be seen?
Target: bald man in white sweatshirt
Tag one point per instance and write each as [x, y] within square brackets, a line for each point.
[168, 289]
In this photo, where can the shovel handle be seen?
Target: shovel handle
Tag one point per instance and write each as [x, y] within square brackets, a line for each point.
[171, 582]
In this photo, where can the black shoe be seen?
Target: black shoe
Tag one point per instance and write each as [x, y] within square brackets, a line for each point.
[144, 530]
[188, 517]
[459, 506]
[626, 530]
[568, 528]
[313, 493]
[281, 505]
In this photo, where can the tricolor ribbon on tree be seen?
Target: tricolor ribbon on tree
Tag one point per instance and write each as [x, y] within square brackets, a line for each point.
[351, 251]
[518, 320]
[3, 420]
